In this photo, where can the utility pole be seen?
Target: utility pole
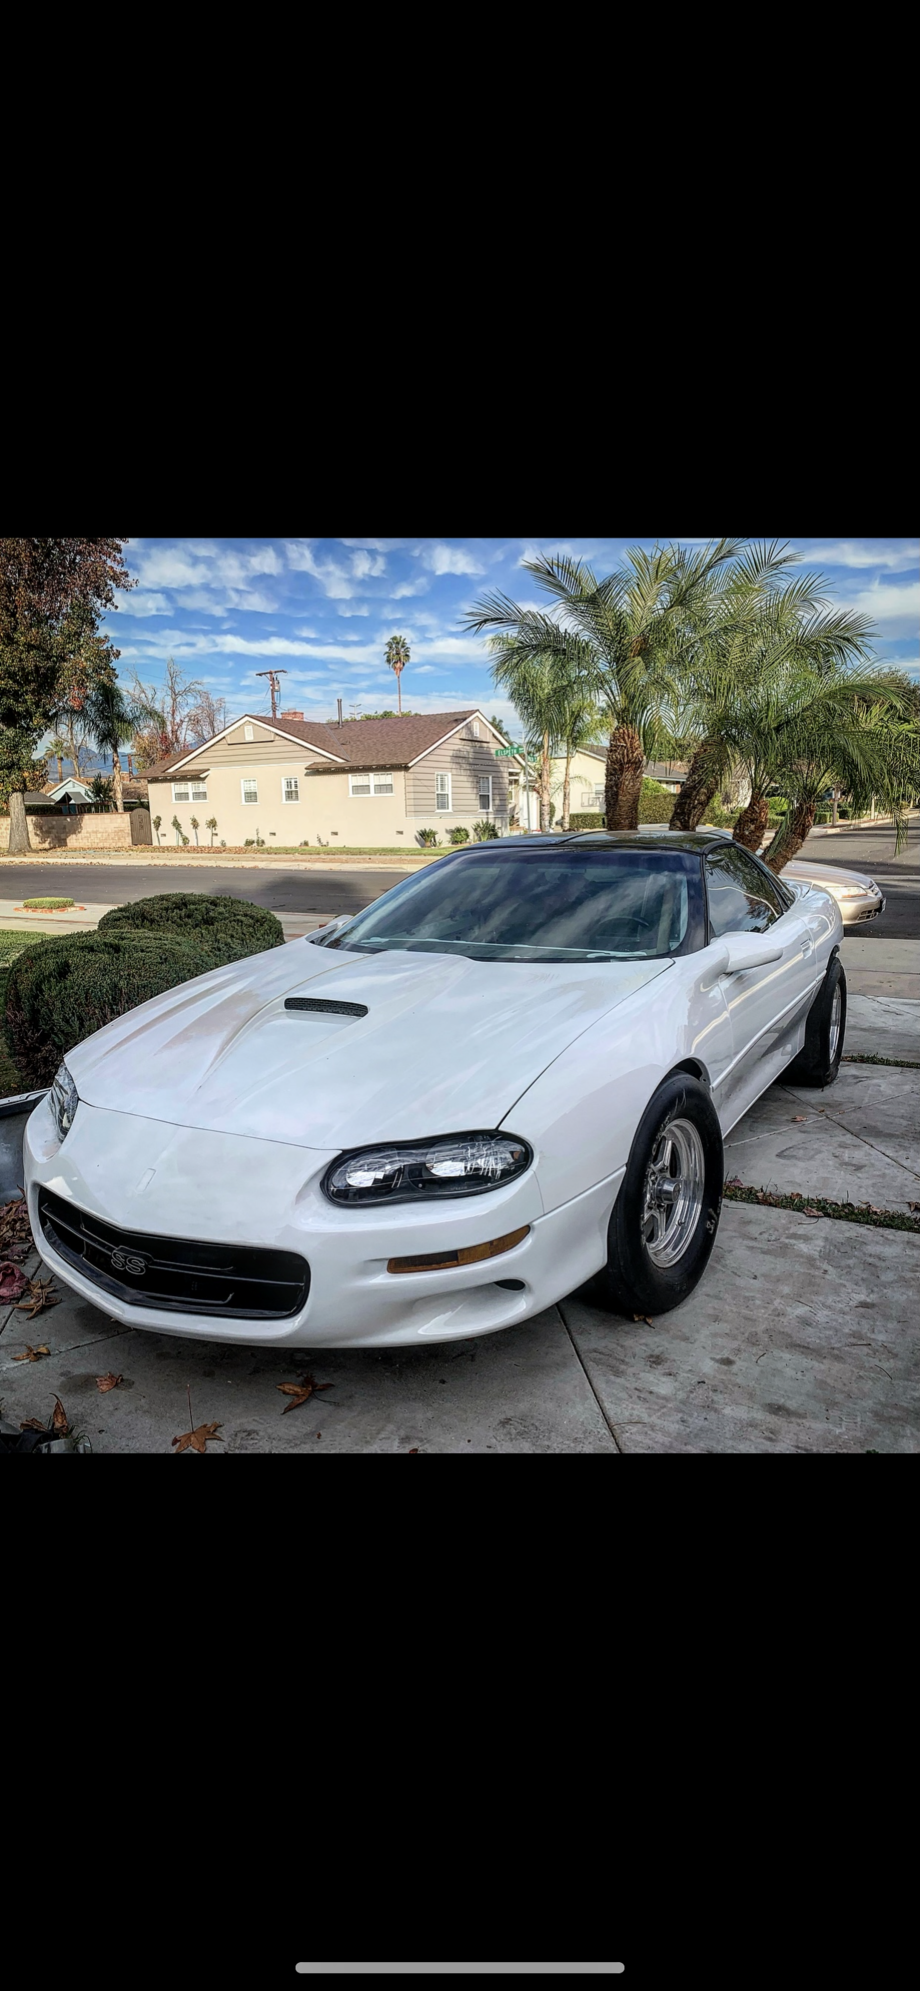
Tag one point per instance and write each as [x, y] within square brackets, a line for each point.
[273, 677]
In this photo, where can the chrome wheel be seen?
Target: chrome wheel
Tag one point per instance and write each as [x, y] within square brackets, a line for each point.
[836, 1006]
[673, 1192]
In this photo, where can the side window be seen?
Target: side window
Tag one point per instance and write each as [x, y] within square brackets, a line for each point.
[773, 888]
[738, 900]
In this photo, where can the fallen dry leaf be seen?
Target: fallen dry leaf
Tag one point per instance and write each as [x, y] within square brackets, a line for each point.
[913, 1206]
[798, 1118]
[33, 1354]
[40, 1296]
[649, 1323]
[197, 1439]
[12, 1281]
[301, 1392]
[811, 1213]
[59, 1418]
[33, 1424]
[412, 1448]
[14, 1224]
[109, 1381]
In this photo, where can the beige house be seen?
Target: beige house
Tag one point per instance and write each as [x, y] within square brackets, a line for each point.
[365, 783]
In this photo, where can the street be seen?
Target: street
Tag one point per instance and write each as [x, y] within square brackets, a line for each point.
[345, 890]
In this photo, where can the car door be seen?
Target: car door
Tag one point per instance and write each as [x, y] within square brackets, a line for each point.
[765, 1004]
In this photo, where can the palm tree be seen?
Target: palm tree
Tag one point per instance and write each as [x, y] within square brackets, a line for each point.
[580, 727]
[762, 626]
[623, 640]
[539, 687]
[864, 739]
[58, 748]
[398, 654]
[112, 719]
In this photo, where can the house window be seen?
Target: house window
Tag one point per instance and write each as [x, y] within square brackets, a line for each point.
[186, 791]
[474, 729]
[247, 733]
[290, 788]
[442, 791]
[485, 794]
[370, 784]
[250, 790]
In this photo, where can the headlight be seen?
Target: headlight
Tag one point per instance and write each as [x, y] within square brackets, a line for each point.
[416, 1171]
[848, 891]
[63, 1100]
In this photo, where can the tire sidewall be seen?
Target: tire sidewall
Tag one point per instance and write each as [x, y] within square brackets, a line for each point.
[633, 1277]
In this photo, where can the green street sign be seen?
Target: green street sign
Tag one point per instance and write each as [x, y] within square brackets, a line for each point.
[506, 753]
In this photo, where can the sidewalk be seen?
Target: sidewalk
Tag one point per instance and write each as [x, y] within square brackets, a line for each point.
[85, 920]
[824, 1356]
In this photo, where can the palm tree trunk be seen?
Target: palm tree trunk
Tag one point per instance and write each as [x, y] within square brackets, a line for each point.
[19, 826]
[793, 831]
[546, 775]
[566, 794]
[60, 767]
[752, 822]
[623, 778]
[700, 784]
[116, 781]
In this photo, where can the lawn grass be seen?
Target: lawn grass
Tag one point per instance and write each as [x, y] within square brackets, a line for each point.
[11, 944]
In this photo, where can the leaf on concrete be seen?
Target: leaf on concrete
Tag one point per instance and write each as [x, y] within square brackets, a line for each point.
[40, 1296]
[59, 1419]
[33, 1424]
[810, 1213]
[109, 1381]
[649, 1323]
[301, 1392]
[913, 1206]
[12, 1281]
[33, 1354]
[798, 1119]
[198, 1440]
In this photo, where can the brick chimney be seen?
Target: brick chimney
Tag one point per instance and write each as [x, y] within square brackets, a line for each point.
[290, 715]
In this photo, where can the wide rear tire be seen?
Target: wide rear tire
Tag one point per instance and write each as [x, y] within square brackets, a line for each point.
[818, 1062]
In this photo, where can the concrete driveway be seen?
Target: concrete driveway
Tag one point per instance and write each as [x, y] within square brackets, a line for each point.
[804, 1335]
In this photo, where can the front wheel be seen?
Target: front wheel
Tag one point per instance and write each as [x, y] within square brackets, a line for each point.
[664, 1222]
[818, 1061]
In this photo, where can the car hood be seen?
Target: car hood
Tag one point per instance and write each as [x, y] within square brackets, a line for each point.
[447, 1044]
[824, 875]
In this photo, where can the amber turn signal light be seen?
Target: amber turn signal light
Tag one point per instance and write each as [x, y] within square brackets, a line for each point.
[466, 1254]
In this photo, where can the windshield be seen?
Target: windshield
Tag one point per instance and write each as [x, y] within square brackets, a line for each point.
[568, 905]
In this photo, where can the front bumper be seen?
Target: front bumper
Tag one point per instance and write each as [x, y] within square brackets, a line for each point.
[855, 912]
[147, 1177]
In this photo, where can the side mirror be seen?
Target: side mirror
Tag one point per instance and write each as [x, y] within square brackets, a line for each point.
[749, 950]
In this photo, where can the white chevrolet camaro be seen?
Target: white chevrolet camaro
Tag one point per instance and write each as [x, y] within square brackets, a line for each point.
[432, 1119]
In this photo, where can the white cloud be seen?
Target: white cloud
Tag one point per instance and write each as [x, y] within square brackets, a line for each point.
[376, 545]
[141, 604]
[897, 607]
[450, 560]
[338, 581]
[419, 587]
[891, 553]
[355, 608]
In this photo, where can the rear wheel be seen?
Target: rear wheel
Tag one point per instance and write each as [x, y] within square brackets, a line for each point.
[818, 1061]
[665, 1218]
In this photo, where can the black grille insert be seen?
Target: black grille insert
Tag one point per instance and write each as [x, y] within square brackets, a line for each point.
[173, 1274]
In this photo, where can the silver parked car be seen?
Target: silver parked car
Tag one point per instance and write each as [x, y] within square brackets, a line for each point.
[858, 896]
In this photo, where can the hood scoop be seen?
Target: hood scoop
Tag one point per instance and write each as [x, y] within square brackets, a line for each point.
[325, 1008]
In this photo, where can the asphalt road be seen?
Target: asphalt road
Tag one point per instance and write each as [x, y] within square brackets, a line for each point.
[868, 850]
[291, 891]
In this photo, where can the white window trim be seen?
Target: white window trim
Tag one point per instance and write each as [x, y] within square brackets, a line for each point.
[189, 787]
[248, 733]
[371, 777]
[249, 780]
[442, 808]
[288, 799]
[483, 778]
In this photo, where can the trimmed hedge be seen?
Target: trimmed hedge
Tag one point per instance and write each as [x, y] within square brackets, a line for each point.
[652, 809]
[228, 929]
[62, 990]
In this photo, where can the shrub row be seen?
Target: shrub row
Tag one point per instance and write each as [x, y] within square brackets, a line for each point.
[62, 990]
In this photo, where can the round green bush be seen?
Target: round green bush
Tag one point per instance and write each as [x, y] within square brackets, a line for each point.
[62, 990]
[228, 928]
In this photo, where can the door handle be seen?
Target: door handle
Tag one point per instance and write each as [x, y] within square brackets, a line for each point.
[807, 946]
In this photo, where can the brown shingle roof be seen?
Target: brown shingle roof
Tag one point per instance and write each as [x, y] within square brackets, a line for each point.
[357, 743]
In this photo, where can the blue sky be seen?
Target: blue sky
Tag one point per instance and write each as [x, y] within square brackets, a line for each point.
[323, 609]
